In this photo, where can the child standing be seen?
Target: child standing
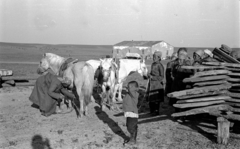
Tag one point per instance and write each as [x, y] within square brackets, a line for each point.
[130, 109]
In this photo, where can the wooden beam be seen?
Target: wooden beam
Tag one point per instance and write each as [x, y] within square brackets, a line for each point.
[232, 69]
[201, 79]
[235, 80]
[210, 83]
[223, 130]
[11, 82]
[234, 74]
[202, 67]
[233, 95]
[211, 73]
[19, 84]
[233, 104]
[222, 92]
[232, 100]
[202, 110]
[230, 116]
[234, 65]
[20, 78]
[199, 90]
[212, 98]
[199, 104]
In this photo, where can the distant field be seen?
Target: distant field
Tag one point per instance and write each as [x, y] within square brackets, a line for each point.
[13, 52]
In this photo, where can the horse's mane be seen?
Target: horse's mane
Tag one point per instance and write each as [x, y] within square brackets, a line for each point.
[53, 58]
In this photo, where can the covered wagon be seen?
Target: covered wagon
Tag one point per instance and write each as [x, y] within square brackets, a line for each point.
[144, 49]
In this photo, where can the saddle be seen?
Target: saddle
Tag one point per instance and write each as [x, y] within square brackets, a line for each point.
[64, 66]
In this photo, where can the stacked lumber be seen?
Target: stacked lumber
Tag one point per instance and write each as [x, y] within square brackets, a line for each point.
[10, 81]
[216, 88]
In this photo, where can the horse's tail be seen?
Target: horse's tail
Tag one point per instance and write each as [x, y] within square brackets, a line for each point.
[87, 88]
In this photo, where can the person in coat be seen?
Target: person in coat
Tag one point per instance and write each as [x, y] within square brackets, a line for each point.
[156, 91]
[48, 93]
[168, 73]
[130, 102]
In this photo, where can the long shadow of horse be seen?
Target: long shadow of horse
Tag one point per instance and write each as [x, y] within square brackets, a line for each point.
[39, 143]
[111, 123]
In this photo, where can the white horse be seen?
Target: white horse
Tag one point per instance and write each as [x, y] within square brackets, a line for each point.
[81, 75]
[125, 67]
[108, 70]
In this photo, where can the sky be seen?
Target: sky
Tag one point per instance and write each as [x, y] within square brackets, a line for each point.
[190, 23]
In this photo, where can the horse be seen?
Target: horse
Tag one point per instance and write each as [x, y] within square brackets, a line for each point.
[108, 78]
[126, 66]
[80, 73]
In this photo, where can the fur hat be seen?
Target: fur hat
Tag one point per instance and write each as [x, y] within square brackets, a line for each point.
[200, 53]
[158, 53]
[208, 52]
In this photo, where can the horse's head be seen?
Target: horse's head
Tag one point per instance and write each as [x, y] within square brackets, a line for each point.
[106, 67]
[50, 61]
[143, 68]
[43, 65]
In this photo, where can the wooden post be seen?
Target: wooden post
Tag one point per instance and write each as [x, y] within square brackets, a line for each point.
[223, 130]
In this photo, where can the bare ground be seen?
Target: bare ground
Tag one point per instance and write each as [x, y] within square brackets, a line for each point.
[22, 127]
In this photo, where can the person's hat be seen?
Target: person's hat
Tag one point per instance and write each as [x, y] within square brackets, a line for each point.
[200, 53]
[182, 55]
[174, 55]
[208, 52]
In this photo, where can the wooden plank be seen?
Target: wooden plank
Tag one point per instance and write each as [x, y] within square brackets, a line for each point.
[234, 65]
[202, 110]
[202, 67]
[210, 73]
[235, 80]
[201, 79]
[233, 100]
[233, 95]
[210, 83]
[212, 98]
[230, 116]
[20, 78]
[232, 69]
[233, 104]
[19, 84]
[234, 74]
[223, 130]
[199, 90]
[224, 56]
[11, 82]
[203, 94]
[199, 104]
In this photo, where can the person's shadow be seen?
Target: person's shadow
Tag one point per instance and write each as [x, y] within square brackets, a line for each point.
[39, 143]
[112, 124]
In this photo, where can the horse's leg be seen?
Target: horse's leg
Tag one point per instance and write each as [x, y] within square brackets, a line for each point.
[115, 92]
[120, 92]
[103, 97]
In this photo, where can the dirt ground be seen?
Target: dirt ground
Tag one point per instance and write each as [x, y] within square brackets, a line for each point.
[23, 127]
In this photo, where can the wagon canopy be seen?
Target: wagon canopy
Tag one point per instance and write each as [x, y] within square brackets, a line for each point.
[142, 49]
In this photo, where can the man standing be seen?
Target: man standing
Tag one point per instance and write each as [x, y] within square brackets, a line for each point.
[156, 91]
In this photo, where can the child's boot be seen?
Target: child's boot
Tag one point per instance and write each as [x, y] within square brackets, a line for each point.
[135, 136]
[131, 140]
